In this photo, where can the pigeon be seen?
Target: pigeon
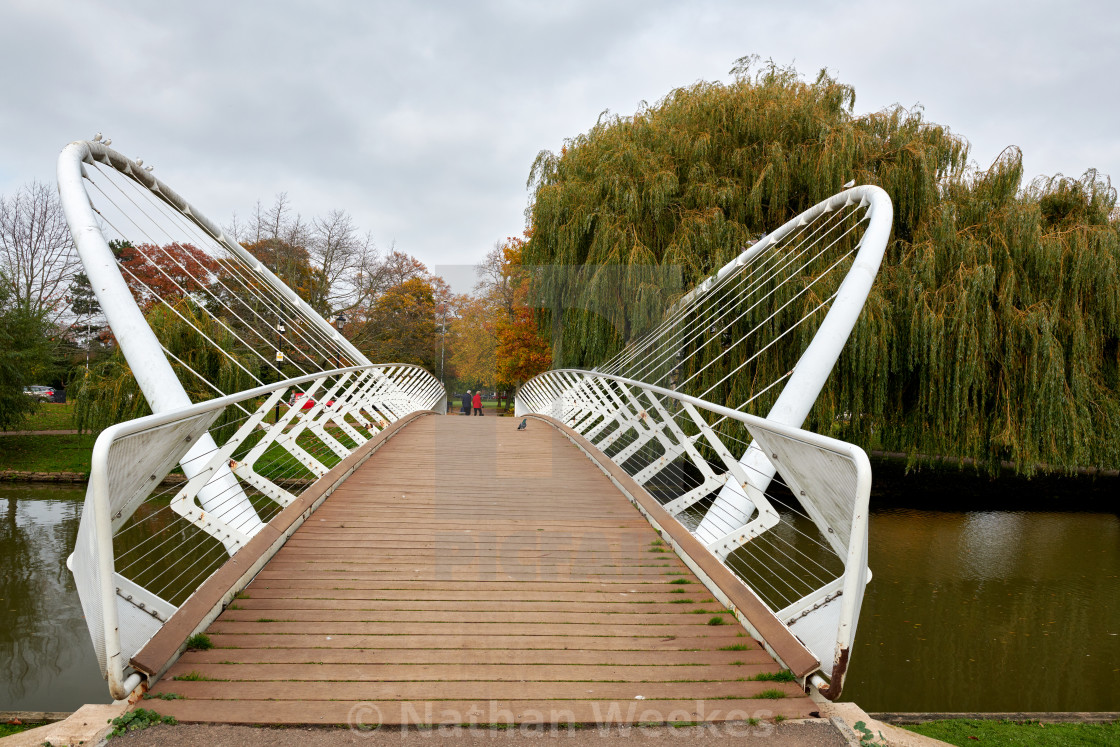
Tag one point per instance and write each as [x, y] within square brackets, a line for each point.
[524, 422]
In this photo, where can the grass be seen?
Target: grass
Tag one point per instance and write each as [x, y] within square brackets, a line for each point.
[6, 730]
[46, 453]
[783, 676]
[735, 647]
[680, 581]
[717, 620]
[163, 696]
[193, 676]
[771, 694]
[1016, 733]
[199, 642]
[51, 416]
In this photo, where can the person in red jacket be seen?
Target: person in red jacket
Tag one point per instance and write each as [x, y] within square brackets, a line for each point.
[477, 403]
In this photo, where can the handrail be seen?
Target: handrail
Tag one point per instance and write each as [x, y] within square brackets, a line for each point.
[125, 603]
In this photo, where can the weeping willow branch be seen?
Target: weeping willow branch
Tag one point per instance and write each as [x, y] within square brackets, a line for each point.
[108, 393]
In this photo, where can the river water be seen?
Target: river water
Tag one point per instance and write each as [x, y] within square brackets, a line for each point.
[969, 610]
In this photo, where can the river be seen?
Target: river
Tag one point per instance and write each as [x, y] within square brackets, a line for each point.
[971, 608]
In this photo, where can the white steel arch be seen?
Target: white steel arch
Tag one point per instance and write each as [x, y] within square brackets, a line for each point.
[139, 344]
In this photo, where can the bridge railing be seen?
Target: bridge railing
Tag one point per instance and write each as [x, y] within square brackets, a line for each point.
[801, 550]
[146, 543]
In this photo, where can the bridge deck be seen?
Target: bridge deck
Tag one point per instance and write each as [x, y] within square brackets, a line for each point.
[469, 572]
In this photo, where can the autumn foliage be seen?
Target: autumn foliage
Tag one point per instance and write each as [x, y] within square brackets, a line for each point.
[170, 272]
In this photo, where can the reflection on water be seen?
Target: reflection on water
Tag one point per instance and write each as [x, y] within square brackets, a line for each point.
[980, 610]
[46, 658]
[990, 611]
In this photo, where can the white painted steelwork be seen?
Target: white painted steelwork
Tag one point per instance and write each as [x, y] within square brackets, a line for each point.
[143, 351]
[635, 410]
[139, 554]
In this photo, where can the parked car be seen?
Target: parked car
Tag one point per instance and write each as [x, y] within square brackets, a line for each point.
[39, 392]
[308, 402]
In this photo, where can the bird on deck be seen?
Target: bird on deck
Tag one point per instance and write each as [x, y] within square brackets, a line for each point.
[524, 422]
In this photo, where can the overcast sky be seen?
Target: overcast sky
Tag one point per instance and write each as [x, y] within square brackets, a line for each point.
[422, 119]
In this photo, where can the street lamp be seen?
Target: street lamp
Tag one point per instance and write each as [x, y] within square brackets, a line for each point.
[280, 330]
[339, 321]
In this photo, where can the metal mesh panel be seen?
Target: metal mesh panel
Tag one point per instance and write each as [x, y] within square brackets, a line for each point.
[823, 482]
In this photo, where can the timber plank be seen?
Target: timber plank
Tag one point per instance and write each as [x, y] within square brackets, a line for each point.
[442, 606]
[326, 614]
[428, 712]
[464, 690]
[439, 673]
[459, 640]
[575, 658]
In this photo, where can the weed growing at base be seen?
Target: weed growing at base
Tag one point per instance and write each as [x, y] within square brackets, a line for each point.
[137, 720]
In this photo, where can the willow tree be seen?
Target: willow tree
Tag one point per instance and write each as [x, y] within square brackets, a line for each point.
[991, 331]
[108, 393]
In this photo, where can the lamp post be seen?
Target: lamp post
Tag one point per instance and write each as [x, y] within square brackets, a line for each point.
[339, 322]
[280, 330]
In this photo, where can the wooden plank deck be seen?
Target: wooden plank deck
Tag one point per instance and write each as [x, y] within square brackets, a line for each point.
[471, 573]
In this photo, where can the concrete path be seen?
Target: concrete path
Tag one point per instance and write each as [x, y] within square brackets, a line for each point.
[788, 734]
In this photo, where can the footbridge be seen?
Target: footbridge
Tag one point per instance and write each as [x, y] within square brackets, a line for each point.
[634, 546]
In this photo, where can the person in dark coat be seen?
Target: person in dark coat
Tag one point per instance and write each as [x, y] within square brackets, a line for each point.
[466, 408]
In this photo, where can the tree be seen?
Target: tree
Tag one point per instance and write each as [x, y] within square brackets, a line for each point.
[520, 350]
[107, 392]
[26, 353]
[400, 327]
[168, 272]
[474, 331]
[991, 332]
[292, 264]
[501, 273]
[340, 255]
[343, 264]
[36, 252]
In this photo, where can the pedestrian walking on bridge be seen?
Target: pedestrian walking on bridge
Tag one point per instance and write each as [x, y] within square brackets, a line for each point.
[478, 402]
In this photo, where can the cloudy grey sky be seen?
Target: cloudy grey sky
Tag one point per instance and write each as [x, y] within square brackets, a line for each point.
[422, 119]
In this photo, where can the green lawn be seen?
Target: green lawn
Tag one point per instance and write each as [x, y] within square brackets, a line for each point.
[46, 453]
[489, 407]
[50, 416]
[1015, 733]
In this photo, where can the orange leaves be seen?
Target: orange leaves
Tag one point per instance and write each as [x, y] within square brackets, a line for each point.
[169, 272]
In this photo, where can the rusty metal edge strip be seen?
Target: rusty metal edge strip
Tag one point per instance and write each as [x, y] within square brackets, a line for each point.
[758, 620]
[211, 598]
